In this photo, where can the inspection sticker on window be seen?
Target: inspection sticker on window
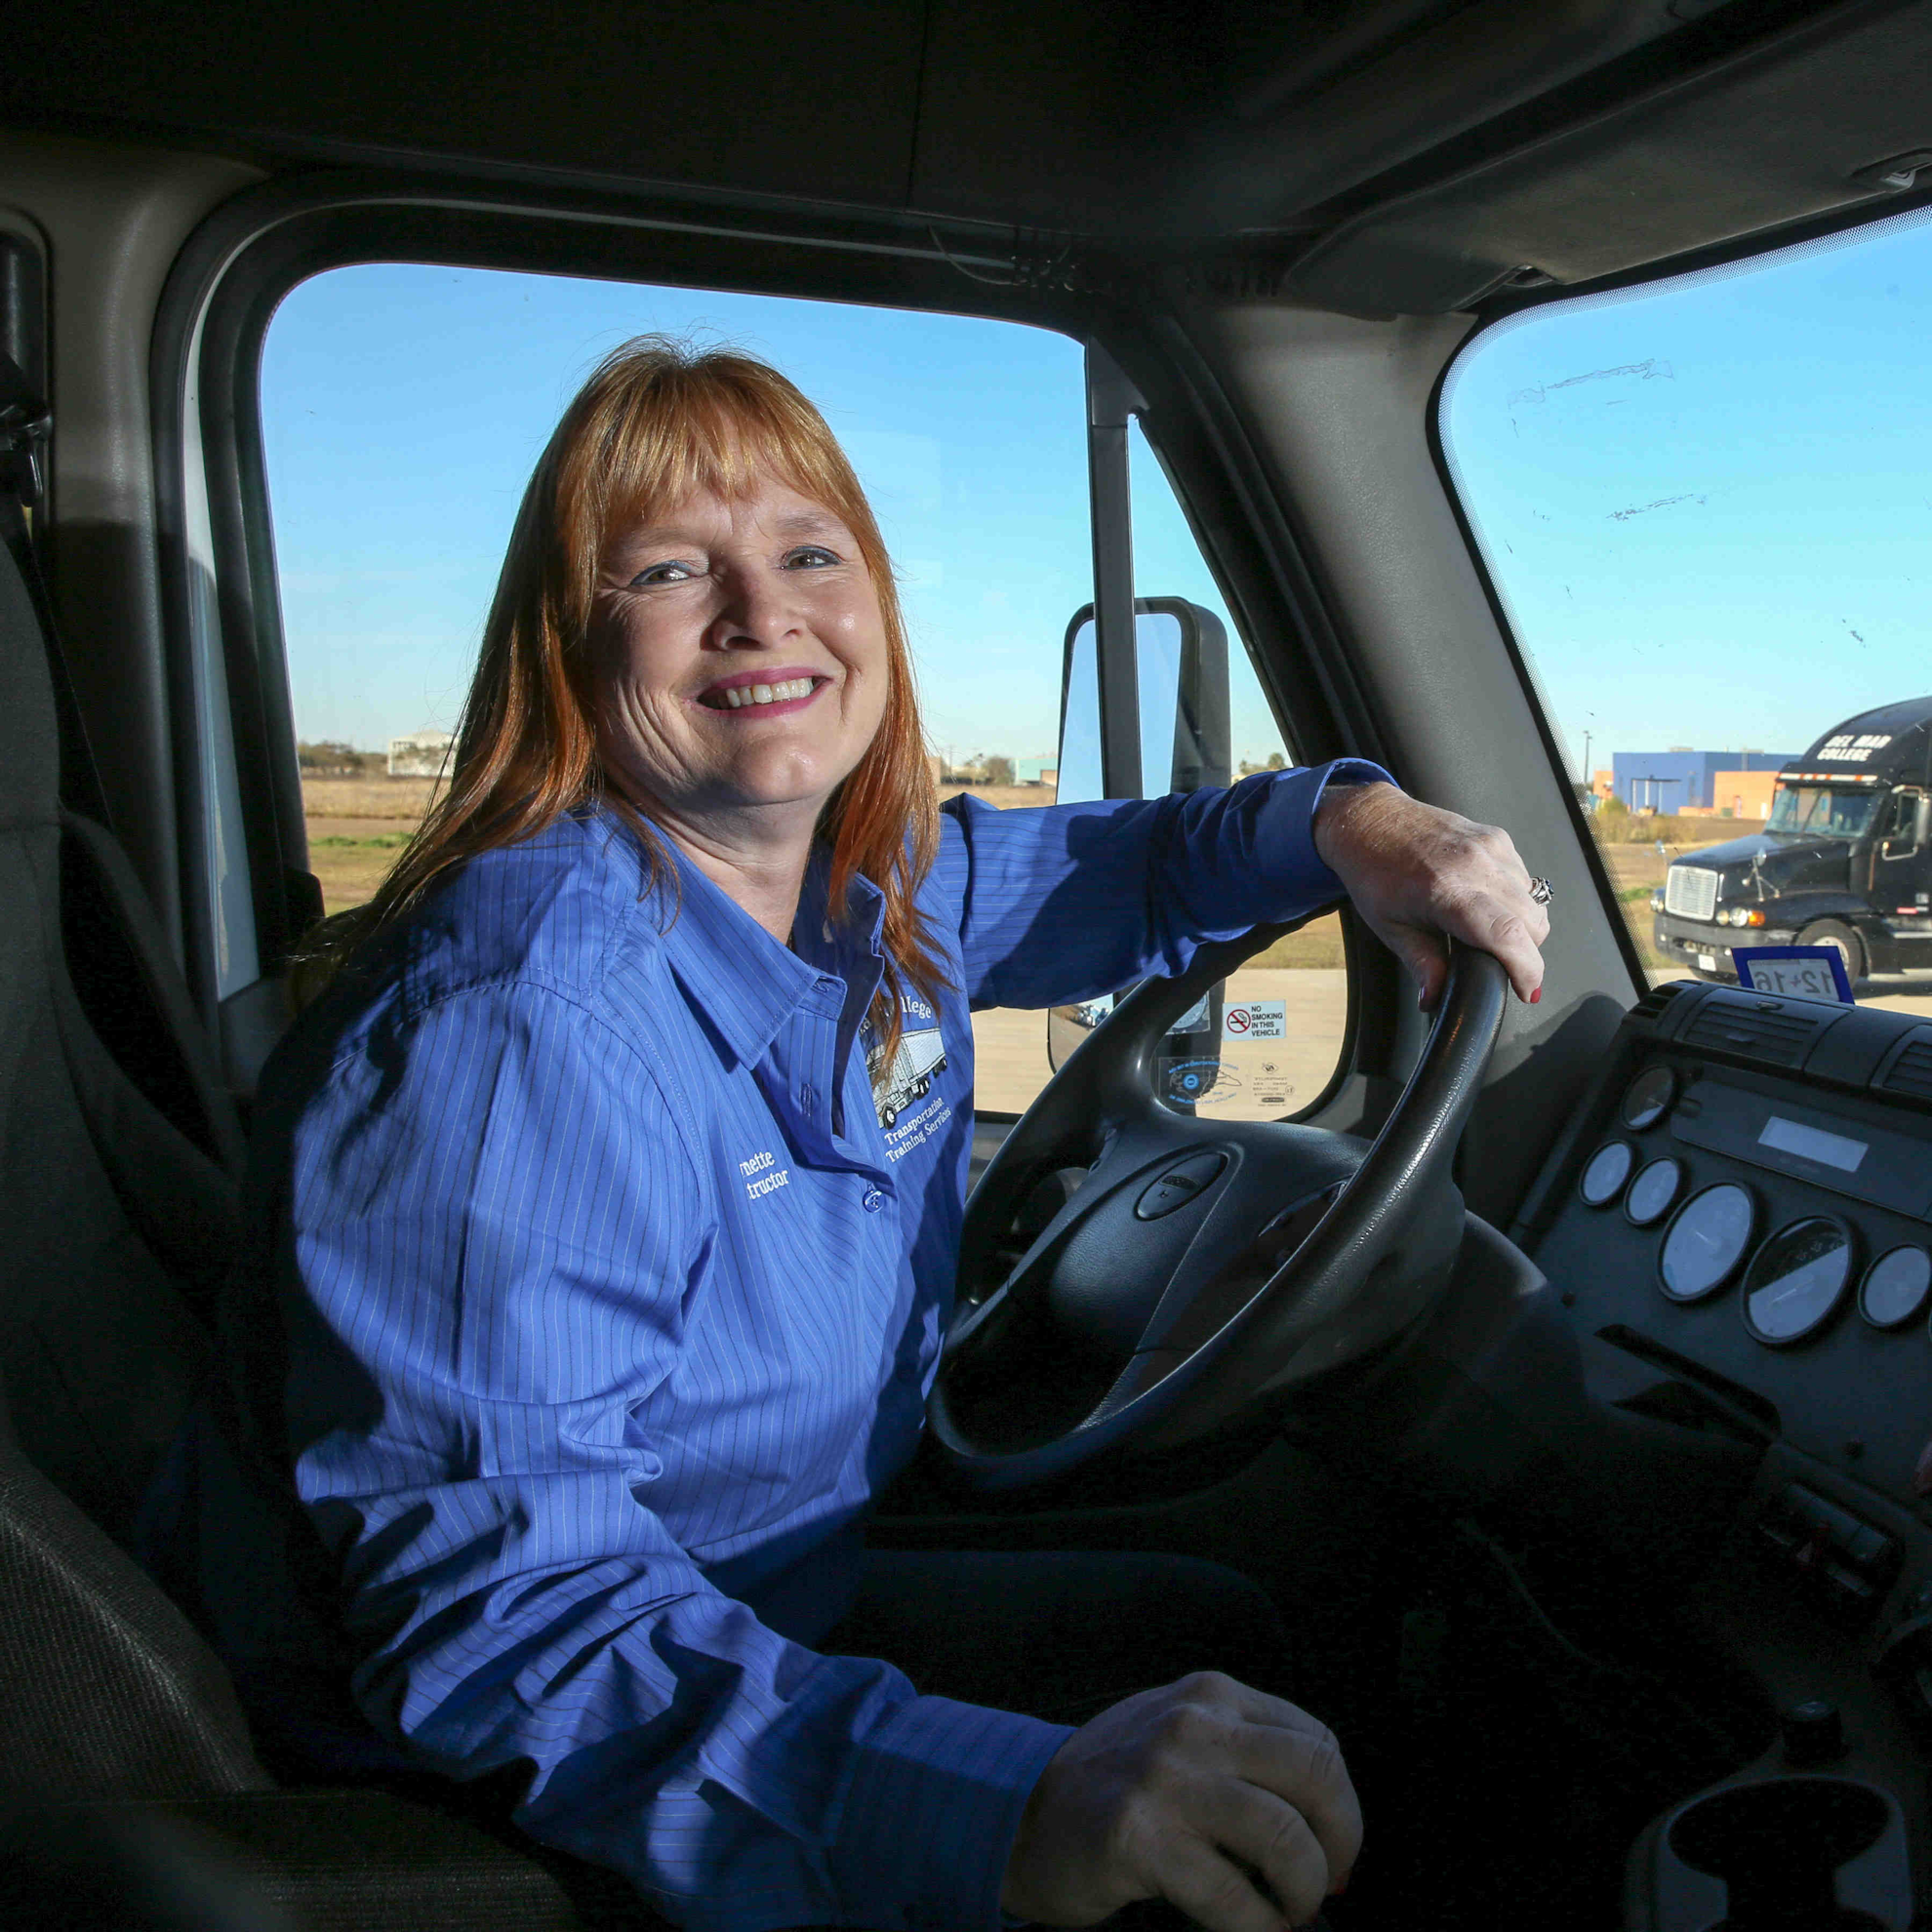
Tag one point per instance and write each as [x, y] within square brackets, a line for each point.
[1257, 1020]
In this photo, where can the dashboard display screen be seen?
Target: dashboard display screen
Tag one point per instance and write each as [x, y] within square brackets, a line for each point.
[1794, 1137]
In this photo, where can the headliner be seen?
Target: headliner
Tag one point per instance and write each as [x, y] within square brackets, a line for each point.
[1380, 155]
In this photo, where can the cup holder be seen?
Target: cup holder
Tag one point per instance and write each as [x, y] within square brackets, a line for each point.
[1787, 1854]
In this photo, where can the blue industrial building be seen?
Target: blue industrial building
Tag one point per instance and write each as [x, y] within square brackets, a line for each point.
[1669, 781]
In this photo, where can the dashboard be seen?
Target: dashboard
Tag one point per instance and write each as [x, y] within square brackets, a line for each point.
[1743, 1203]
[1736, 1227]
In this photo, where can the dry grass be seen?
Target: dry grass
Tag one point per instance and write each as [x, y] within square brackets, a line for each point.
[356, 827]
[403, 799]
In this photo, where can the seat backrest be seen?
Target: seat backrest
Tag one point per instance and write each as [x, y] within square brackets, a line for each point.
[100, 1352]
[113, 1221]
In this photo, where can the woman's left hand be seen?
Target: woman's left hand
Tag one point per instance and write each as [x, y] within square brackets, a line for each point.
[1416, 872]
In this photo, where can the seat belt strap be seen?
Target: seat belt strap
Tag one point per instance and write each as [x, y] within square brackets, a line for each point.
[26, 424]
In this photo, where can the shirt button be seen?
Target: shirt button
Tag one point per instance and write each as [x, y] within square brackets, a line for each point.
[874, 1200]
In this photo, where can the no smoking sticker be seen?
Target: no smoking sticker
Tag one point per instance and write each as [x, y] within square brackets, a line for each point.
[1257, 1020]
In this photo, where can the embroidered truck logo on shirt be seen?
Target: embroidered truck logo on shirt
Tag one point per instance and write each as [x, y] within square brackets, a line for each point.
[920, 1056]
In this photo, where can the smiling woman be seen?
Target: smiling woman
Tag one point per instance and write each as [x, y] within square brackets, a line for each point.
[712, 714]
[609, 1206]
[693, 530]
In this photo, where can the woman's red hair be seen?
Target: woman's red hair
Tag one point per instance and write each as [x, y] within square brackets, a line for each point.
[656, 422]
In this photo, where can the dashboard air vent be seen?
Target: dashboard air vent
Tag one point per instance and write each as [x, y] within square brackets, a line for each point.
[1911, 1073]
[1775, 1035]
[1653, 1003]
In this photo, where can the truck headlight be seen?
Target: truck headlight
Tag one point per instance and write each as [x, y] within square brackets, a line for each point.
[1656, 899]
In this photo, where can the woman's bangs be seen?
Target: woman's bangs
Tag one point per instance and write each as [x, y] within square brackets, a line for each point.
[669, 446]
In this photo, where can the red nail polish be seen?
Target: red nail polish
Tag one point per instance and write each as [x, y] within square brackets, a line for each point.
[1535, 995]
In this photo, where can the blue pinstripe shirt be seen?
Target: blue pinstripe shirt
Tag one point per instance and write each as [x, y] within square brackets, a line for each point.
[612, 1299]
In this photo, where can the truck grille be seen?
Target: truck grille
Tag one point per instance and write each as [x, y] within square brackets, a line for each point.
[1690, 891]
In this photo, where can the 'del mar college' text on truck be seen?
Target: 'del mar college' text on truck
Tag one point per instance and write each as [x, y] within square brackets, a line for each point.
[1845, 859]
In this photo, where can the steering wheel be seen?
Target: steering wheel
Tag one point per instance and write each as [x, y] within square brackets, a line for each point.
[1160, 1275]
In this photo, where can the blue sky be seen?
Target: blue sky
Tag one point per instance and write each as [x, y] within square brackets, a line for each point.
[1705, 505]
[403, 406]
[1708, 505]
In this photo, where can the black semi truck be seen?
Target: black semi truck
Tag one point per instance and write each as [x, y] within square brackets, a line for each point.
[1845, 859]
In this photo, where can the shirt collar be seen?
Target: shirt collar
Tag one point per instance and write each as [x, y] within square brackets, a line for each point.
[740, 979]
[850, 945]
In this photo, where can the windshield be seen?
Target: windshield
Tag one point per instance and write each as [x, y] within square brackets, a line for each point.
[1820, 812]
[1701, 502]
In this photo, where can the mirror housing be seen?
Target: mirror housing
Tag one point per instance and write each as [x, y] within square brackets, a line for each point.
[1186, 737]
[1922, 822]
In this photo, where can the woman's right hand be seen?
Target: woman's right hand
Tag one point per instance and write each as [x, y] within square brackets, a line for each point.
[1205, 1792]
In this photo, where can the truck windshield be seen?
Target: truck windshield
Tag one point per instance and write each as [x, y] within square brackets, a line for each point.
[1820, 812]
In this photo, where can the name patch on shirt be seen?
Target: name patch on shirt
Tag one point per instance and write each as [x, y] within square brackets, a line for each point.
[769, 1176]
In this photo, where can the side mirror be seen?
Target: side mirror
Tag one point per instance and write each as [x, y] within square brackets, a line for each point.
[1921, 821]
[1186, 743]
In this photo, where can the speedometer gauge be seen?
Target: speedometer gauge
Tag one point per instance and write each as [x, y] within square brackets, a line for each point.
[1705, 1240]
[1797, 1280]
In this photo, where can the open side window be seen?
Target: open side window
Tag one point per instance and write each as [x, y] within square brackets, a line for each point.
[363, 417]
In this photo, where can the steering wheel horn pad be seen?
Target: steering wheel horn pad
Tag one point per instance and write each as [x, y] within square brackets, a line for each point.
[1201, 1267]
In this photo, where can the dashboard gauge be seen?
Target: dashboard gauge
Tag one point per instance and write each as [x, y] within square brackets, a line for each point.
[1796, 1281]
[1895, 1287]
[1647, 1099]
[1708, 1238]
[1605, 1173]
[1654, 1192]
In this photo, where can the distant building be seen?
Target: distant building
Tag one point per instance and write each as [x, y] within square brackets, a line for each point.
[1742, 794]
[424, 754]
[1035, 771]
[1670, 781]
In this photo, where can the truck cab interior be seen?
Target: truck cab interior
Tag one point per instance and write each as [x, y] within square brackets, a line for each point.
[1562, 1371]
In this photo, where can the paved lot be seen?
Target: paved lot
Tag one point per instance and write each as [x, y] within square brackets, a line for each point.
[1260, 1079]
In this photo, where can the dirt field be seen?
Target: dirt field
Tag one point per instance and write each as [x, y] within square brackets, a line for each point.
[356, 827]
[1636, 869]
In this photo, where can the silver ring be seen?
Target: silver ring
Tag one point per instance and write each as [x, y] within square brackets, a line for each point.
[1540, 893]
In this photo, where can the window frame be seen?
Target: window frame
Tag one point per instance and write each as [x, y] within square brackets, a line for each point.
[228, 662]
